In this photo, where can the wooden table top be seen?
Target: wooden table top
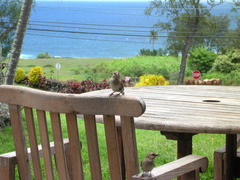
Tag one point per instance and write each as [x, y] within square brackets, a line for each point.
[188, 109]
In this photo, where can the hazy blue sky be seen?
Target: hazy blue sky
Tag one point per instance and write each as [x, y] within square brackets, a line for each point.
[96, 0]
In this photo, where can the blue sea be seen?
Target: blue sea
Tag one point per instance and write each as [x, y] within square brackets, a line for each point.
[80, 29]
[88, 29]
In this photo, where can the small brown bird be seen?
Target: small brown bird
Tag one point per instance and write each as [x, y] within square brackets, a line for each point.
[148, 163]
[116, 84]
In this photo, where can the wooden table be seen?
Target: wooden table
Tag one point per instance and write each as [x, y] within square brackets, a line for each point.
[180, 112]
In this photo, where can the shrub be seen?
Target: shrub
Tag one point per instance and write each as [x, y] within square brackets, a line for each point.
[152, 80]
[223, 64]
[20, 75]
[51, 85]
[85, 86]
[76, 71]
[48, 66]
[35, 74]
[148, 52]
[43, 55]
[233, 78]
[234, 56]
[201, 59]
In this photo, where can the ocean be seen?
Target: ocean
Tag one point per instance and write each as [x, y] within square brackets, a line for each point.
[88, 29]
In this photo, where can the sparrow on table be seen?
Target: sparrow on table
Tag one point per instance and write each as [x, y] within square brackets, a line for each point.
[116, 84]
[147, 164]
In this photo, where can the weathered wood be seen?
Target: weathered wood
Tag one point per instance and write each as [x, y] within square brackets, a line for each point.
[20, 141]
[231, 154]
[78, 103]
[130, 146]
[219, 164]
[177, 168]
[114, 158]
[8, 161]
[75, 147]
[93, 148]
[33, 143]
[7, 167]
[184, 148]
[121, 153]
[181, 108]
[45, 144]
[59, 147]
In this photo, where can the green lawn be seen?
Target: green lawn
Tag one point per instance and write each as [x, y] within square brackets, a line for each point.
[70, 68]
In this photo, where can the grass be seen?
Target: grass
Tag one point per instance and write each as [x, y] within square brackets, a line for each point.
[71, 68]
[147, 141]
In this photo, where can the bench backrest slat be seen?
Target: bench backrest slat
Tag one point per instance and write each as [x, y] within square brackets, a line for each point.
[33, 142]
[42, 122]
[75, 147]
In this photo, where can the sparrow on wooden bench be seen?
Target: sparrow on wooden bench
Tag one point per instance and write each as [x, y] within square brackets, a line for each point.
[116, 84]
[147, 164]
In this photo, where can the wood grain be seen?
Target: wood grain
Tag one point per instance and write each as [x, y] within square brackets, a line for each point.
[76, 103]
[177, 168]
[182, 108]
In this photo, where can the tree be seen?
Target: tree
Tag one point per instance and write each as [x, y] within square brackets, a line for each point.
[214, 32]
[10, 11]
[184, 17]
[18, 40]
[153, 37]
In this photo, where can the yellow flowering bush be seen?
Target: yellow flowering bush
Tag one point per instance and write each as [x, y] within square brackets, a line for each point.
[152, 80]
[20, 75]
[34, 75]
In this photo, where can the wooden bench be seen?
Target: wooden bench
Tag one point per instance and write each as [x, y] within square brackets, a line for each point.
[220, 161]
[69, 163]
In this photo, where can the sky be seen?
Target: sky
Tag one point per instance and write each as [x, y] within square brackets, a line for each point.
[96, 0]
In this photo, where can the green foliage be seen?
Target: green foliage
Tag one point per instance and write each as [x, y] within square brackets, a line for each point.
[153, 37]
[35, 74]
[201, 59]
[76, 71]
[43, 55]
[234, 56]
[232, 78]
[227, 63]
[152, 80]
[10, 11]
[223, 64]
[48, 66]
[20, 75]
[148, 52]
[138, 66]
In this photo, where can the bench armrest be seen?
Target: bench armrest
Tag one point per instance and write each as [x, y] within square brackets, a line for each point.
[177, 168]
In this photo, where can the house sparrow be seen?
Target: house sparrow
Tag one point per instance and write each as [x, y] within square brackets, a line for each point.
[116, 84]
[148, 163]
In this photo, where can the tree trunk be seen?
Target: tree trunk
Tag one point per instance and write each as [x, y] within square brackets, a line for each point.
[4, 113]
[184, 61]
[18, 40]
[1, 73]
[193, 29]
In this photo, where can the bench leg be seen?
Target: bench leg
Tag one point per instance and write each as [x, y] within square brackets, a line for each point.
[7, 168]
[184, 148]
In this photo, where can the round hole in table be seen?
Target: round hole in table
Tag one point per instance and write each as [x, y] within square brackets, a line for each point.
[211, 100]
